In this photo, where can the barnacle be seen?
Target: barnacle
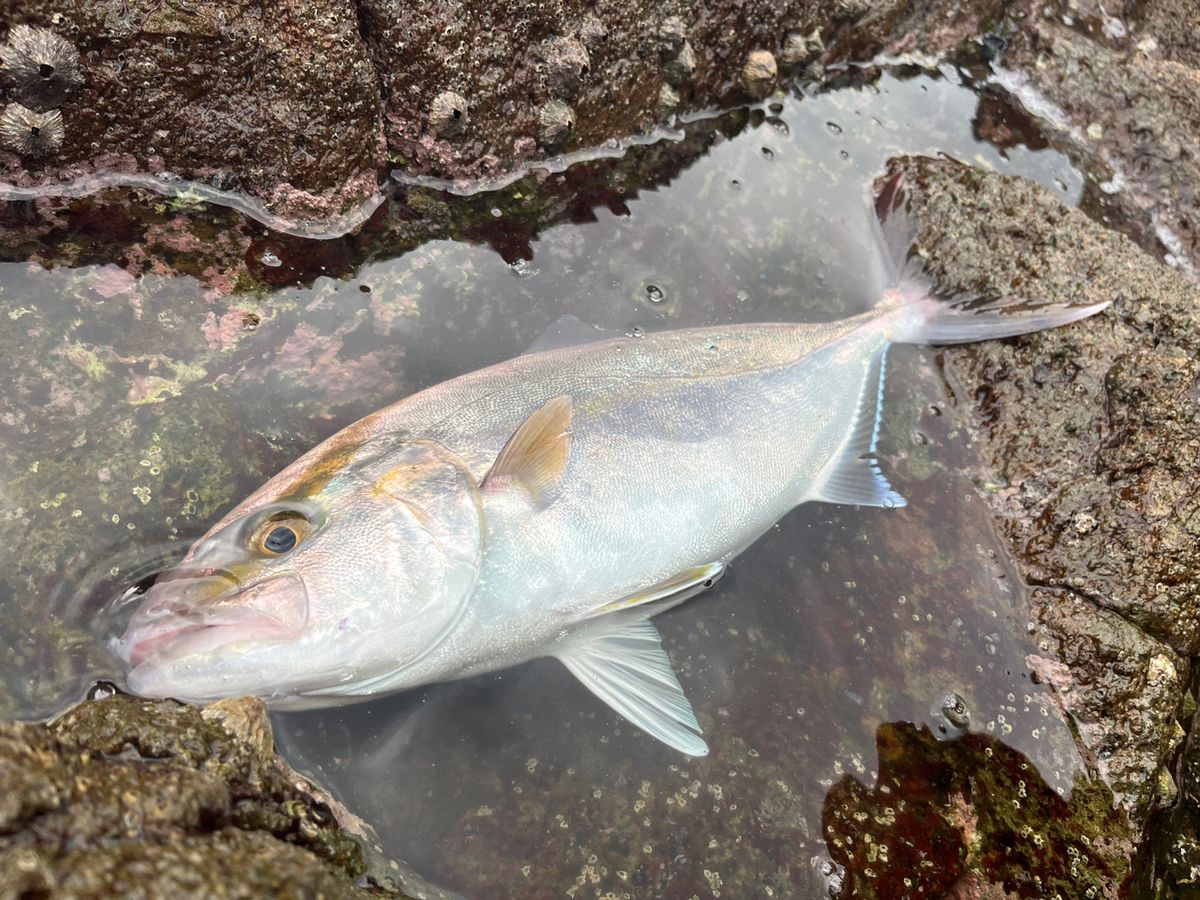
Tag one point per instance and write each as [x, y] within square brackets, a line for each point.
[448, 113]
[557, 121]
[29, 132]
[42, 67]
[759, 73]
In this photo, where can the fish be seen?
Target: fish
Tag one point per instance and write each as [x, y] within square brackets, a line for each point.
[548, 506]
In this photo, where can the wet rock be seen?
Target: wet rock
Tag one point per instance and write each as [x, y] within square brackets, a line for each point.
[41, 67]
[121, 797]
[285, 99]
[29, 133]
[1090, 430]
[1132, 112]
[971, 818]
[759, 73]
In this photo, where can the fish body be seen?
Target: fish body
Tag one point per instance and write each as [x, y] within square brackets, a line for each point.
[550, 505]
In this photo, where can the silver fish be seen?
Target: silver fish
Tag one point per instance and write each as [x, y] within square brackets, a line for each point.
[547, 506]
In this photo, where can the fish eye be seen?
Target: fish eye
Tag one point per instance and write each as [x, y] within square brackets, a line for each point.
[280, 539]
[280, 535]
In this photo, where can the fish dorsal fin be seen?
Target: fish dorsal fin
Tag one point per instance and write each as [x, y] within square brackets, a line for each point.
[668, 593]
[627, 668]
[853, 475]
[535, 457]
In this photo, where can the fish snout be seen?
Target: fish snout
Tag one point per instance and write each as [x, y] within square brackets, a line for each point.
[200, 611]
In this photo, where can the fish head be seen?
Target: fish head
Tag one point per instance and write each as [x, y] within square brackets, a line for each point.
[318, 584]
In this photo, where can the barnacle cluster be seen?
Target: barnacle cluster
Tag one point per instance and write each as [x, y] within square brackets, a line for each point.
[41, 69]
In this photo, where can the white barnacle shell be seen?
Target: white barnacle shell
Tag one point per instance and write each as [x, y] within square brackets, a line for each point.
[42, 67]
[29, 132]
[448, 113]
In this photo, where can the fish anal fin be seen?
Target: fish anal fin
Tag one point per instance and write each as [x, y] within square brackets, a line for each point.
[535, 457]
[853, 475]
[672, 591]
[627, 668]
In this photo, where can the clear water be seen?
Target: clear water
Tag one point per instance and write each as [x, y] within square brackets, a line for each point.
[521, 783]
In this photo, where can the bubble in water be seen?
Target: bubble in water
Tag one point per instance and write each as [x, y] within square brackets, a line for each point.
[919, 439]
[742, 296]
[776, 107]
[522, 269]
[637, 331]
[102, 690]
[844, 154]
[779, 125]
[735, 184]
[496, 212]
[834, 127]
[655, 294]
[768, 153]
[954, 708]
[271, 260]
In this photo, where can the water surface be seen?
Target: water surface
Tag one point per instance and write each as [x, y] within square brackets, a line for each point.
[141, 399]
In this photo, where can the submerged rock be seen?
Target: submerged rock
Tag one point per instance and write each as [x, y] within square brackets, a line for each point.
[970, 818]
[120, 797]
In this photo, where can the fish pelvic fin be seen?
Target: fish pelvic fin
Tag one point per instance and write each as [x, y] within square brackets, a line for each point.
[627, 668]
[853, 475]
[912, 311]
[535, 457]
[665, 594]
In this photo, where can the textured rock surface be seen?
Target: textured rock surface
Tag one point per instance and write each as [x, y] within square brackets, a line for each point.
[1090, 433]
[127, 797]
[304, 105]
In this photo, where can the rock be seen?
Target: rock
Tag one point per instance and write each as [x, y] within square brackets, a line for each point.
[123, 797]
[1141, 113]
[285, 100]
[1096, 497]
[970, 818]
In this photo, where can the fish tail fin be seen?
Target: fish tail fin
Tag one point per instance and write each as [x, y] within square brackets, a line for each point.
[912, 311]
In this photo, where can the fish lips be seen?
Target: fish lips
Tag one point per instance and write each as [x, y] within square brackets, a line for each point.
[192, 616]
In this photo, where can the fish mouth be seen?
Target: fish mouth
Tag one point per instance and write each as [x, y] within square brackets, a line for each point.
[190, 615]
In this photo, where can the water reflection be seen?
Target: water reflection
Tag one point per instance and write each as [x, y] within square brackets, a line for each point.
[137, 408]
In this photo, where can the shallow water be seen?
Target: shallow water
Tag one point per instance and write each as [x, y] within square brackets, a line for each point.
[157, 401]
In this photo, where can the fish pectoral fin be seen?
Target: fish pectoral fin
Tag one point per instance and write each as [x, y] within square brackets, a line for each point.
[535, 457]
[670, 592]
[628, 669]
[853, 475]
